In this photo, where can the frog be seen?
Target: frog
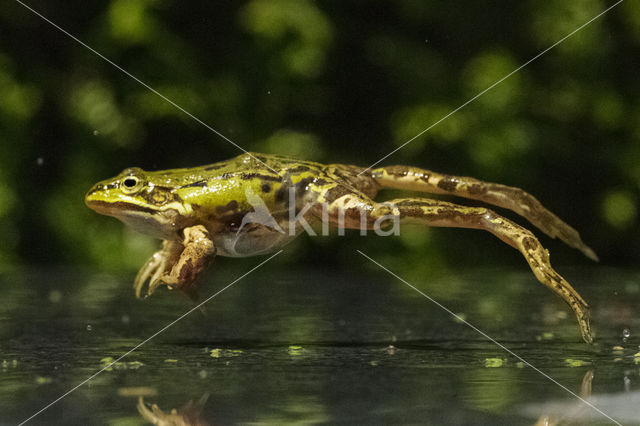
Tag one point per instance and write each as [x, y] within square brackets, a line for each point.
[254, 204]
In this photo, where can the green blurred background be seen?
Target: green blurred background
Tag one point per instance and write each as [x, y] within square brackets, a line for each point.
[331, 81]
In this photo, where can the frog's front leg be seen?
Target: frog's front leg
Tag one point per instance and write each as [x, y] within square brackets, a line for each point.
[155, 267]
[197, 254]
[178, 264]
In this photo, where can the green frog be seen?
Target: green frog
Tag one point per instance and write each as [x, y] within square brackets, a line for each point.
[256, 203]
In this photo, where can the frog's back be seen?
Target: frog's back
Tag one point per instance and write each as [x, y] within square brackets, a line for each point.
[253, 162]
[293, 171]
[275, 170]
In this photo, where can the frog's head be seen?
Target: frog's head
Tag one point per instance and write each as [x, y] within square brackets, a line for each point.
[141, 201]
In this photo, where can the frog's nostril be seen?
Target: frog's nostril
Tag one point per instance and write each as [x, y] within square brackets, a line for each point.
[93, 191]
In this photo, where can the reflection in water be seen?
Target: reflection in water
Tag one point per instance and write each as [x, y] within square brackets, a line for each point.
[585, 392]
[192, 413]
[189, 415]
[623, 407]
[290, 409]
[303, 346]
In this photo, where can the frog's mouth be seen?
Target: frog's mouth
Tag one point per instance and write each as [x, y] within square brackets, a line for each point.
[116, 208]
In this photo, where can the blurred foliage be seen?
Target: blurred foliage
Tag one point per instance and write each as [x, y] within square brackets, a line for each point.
[332, 81]
[329, 81]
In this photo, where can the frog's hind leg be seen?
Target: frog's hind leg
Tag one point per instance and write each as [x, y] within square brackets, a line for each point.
[523, 203]
[443, 214]
[356, 210]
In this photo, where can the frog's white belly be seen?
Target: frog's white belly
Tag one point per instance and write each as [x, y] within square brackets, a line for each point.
[254, 239]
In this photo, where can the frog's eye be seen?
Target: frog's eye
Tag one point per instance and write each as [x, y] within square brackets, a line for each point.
[131, 184]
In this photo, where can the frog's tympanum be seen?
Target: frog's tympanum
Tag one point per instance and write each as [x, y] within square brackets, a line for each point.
[255, 203]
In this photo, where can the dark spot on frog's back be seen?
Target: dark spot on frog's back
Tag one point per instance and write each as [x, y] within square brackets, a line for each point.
[281, 193]
[448, 184]
[302, 185]
[258, 157]
[263, 177]
[200, 183]
[215, 166]
[265, 187]
[299, 169]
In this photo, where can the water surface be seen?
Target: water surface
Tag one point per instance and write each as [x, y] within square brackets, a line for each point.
[310, 346]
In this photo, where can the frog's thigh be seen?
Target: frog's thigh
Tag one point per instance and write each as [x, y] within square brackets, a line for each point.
[516, 199]
[443, 214]
[198, 251]
[352, 210]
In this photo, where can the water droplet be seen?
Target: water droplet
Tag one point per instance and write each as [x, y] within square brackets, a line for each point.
[89, 327]
[626, 333]
[96, 133]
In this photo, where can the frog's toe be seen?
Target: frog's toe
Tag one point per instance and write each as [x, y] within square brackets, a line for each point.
[153, 285]
[143, 277]
[148, 277]
[143, 287]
